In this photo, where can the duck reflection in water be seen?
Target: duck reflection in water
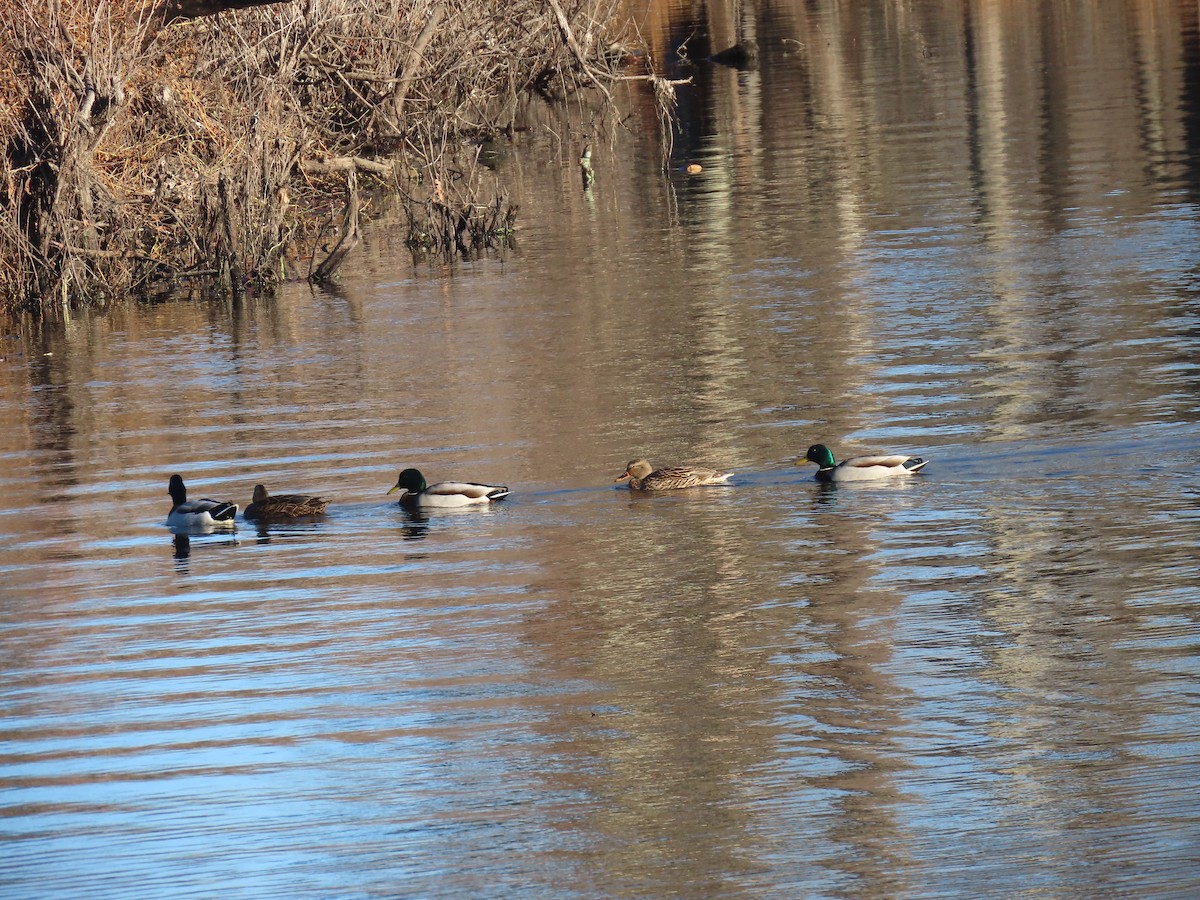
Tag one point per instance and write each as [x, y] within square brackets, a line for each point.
[827, 494]
[181, 547]
[266, 530]
[742, 55]
[416, 524]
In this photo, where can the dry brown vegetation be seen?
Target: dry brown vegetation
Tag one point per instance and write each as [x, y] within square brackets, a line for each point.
[160, 147]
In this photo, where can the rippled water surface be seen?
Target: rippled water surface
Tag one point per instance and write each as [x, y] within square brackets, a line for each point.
[931, 227]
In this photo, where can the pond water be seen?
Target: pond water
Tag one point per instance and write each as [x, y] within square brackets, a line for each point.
[969, 231]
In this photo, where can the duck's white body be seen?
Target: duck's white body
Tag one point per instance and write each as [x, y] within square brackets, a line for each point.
[870, 468]
[200, 514]
[862, 468]
[212, 513]
[459, 493]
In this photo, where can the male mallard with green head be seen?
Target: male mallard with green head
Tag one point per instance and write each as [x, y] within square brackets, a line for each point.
[444, 493]
[860, 468]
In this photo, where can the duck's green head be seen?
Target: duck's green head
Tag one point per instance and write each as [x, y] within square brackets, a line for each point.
[821, 455]
[411, 481]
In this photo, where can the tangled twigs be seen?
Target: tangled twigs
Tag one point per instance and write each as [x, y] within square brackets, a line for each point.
[145, 144]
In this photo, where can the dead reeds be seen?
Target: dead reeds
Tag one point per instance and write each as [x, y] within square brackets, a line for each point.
[160, 147]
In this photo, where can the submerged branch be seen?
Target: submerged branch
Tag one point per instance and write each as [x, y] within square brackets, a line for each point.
[346, 164]
[350, 233]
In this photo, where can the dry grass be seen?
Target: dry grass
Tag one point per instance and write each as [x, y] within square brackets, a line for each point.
[208, 154]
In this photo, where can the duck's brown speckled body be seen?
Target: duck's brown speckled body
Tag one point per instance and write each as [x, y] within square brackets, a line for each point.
[644, 477]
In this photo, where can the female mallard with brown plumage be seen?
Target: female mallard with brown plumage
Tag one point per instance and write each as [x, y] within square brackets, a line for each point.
[284, 506]
[644, 477]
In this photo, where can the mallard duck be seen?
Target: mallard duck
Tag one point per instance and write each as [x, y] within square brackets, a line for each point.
[187, 513]
[644, 477]
[860, 468]
[283, 506]
[444, 493]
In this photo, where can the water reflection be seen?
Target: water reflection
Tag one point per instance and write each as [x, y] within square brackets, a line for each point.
[416, 521]
[266, 529]
[181, 544]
